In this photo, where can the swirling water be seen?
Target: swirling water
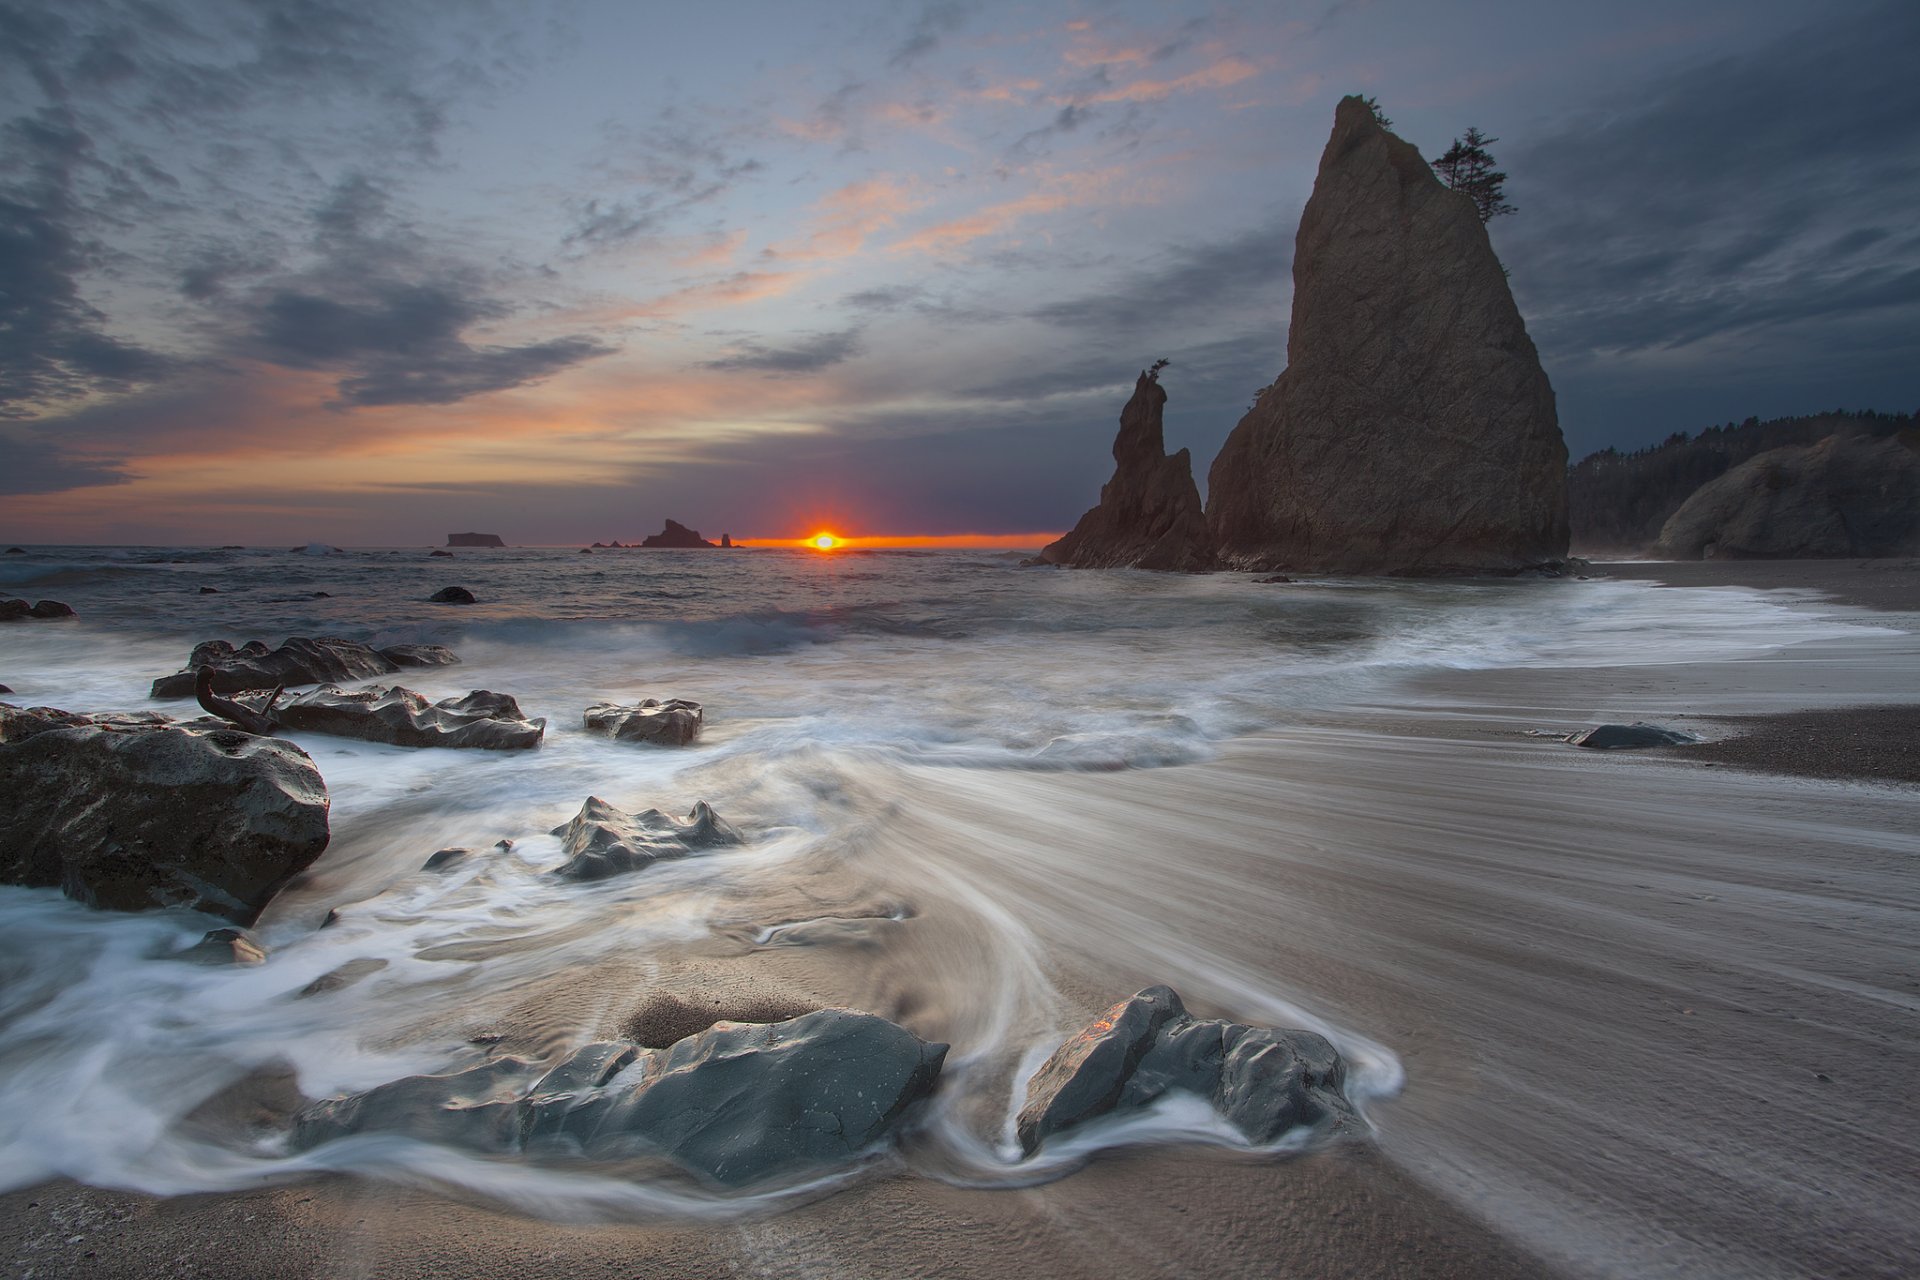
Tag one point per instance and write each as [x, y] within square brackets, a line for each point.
[839, 689]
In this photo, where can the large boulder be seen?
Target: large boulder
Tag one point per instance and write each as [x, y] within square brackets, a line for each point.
[675, 534]
[737, 1103]
[673, 723]
[602, 840]
[402, 718]
[1413, 431]
[1847, 496]
[132, 812]
[12, 610]
[1149, 515]
[254, 666]
[1265, 1083]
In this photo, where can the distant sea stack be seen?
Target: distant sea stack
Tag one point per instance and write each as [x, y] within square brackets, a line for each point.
[474, 540]
[1847, 496]
[1413, 431]
[675, 535]
[1149, 515]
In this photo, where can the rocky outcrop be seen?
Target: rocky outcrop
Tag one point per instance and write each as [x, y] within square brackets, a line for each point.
[132, 812]
[402, 718]
[675, 535]
[451, 595]
[1265, 1083]
[12, 610]
[602, 841]
[673, 723]
[1847, 496]
[1413, 430]
[736, 1104]
[474, 540]
[299, 661]
[1149, 515]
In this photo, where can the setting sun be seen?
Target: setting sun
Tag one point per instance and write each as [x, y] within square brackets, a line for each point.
[823, 542]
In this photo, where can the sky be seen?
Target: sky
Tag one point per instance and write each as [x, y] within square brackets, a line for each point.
[370, 271]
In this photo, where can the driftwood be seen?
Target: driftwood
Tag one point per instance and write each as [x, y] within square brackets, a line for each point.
[259, 722]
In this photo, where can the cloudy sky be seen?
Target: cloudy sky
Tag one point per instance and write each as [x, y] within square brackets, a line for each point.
[366, 271]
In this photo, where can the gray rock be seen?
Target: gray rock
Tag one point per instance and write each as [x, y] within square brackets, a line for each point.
[253, 666]
[1149, 516]
[673, 723]
[451, 595]
[1413, 430]
[226, 946]
[1847, 496]
[128, 813]
[402, 718]
[12, 610]
[420, 655]
[602, 841]
[736, 1104]
[1266, 1083]
[1613, 737]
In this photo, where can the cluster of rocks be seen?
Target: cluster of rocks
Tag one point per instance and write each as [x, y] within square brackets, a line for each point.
[14, 610]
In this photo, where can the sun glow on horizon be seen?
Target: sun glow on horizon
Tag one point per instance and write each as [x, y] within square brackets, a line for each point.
[824, 542]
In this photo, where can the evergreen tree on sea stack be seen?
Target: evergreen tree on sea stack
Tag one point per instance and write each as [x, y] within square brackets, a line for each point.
[1467, 166]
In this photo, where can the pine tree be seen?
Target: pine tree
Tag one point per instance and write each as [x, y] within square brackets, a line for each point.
[1467, 166]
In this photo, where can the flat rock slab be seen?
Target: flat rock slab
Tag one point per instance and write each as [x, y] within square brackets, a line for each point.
[301, 660]
[736, 1104]
[128, 813]
[402, 718]
[673, 723]
[1629, 737]
[603, 841]
[1266, 1083]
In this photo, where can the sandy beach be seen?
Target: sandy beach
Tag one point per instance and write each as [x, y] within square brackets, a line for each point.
[1654, 1009]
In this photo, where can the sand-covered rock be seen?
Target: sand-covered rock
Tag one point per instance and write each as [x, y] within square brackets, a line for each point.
[1264, 1082]
[602, 840]
[1413, 430]
[736, 1104]
[400, 717]
[323, 659]
[1149, 516]
[1847, 496]
[673, 723]
[131, 812]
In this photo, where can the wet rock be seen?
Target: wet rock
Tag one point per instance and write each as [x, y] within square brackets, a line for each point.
[1149, 515]
[317, 549]
[1276, 579]
[602, 841]
[12, 610]
[726, 541]
[441, 554]
[1413, 431]
[474, 540]
[209, 591]
[1844, 497]
[443, 859]
[127, 813]
[16, 551]
[226, 946]
[452, 595]
[1266, 1083]
[586, 551]
[253, 666]
[52, 609]
[402, 718]
[675, 534]
[420, 655]
[6, 688]
[736, 1104]
[1639, 734]
[345, 976]
[673, 723]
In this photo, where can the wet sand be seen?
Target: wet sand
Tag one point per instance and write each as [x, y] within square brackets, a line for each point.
[1656, 1017]
[1869, 584]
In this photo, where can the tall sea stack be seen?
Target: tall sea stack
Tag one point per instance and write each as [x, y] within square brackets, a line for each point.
[1413, 431]
[1149, 515]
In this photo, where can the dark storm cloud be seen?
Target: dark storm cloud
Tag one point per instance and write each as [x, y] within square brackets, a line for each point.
[32, 464]
[807, 355]
[53, 344]
[1747, 197]
[1247, 269]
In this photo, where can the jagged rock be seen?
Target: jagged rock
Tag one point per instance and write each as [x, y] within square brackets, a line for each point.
[444, 555]
[738, 1103]
[1614, 737]
[131, 812]
[1413, 431]
[726, 541]
[673, 723]
[1846, 496]
[420, 655]
[1265, 1083]
[675, 535]
[451, 595]
[602, 841]
[253, 666]
[474, 540]
[402, 718]
[1149, 515]
[226, 946]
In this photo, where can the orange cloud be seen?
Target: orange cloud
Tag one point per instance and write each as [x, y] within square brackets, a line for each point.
[846, 217]
[1230, 70]
[1057, 192]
